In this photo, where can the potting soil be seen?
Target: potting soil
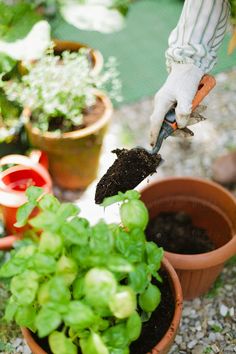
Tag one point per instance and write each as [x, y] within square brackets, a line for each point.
[129, 169]
[176, 233]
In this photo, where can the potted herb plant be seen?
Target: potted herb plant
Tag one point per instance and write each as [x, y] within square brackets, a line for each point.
[91, 289]
[194, 219]
[66, 113]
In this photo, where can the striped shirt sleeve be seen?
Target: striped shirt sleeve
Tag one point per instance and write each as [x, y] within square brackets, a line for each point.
[199, 33]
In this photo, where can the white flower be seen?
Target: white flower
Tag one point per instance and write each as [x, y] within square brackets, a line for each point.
[93, 17]
[32, 46]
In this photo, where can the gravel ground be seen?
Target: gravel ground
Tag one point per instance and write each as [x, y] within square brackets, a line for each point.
[209, 323]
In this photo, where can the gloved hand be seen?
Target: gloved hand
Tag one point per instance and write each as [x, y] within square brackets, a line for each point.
[179, 89]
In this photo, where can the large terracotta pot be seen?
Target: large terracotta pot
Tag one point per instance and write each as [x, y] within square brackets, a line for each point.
[211, 207]
[95, 55]
[73, 156]
[166, 342]
[13, 184]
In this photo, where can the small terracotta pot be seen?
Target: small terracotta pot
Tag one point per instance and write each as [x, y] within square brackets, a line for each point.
[212, 208]
[166, 342]
[13, 183]
[73, 156]
[95, 55]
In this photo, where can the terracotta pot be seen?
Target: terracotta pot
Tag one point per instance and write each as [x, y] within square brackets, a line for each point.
[212, 208]
[95, 56]
[13, 183]
[166, 342]
[73, 156]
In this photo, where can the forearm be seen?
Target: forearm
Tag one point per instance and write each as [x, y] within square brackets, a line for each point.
[199, 33]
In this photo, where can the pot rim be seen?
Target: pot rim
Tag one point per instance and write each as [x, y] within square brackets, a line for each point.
[203, 260]
[170, 333]
[178, 298]
[95, 53]
[80, 133]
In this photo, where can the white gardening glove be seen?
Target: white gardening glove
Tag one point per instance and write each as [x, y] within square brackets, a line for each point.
[179, 89]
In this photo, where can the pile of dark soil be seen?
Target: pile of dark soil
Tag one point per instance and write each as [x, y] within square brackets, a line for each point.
[176, 233]
[129, 169]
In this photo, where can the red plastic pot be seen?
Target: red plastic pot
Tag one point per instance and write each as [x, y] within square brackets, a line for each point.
[13, 183]
[212, 208]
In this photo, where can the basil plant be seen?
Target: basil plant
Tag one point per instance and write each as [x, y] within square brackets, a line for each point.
[82, 286]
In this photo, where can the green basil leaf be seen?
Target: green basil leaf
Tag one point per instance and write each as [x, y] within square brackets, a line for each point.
[50, 243]
[134, 326]
[60, 344]
[138, 279]
[93, 345]
[78, 288]
[49, 203]
[67, 268]
[46, 221]
[74, 232]
[130, 248]
[116, 336]
[11, 268]
[123, 303]
[24, 287]
[33, 193]
[23, 213]
[67, 210]
[116, 263]
[101, 241]
[134, 214]
[99, 286]
[79, 315]
[154, 255]
[150, 298]
[119, 350]
[58, 291]
[47, 321]
[10, 310]
[25, 317]
[43, 264]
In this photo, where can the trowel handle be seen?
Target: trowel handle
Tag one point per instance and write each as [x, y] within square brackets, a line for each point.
[205, 86]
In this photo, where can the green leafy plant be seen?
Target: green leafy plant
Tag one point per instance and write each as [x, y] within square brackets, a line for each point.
[233, 11]
[61, 88]
[81, 285]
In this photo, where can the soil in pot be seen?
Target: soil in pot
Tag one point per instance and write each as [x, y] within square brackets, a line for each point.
[153, 330]
[176, 233]
[129, 169]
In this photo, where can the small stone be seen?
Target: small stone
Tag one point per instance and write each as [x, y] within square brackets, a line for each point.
[19, 349]
[199, 349]
[212, 337]
[223, 310]
[26, 349]
[192, 344]
[199, 335]
[186, 311]
[178, 339]
[16, 342]
[183, 346]
[231, 312]
[215, 348]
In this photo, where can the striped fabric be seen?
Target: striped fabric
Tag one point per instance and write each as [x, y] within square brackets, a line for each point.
[199, 33]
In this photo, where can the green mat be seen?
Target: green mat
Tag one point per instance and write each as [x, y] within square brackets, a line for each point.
[140, 46]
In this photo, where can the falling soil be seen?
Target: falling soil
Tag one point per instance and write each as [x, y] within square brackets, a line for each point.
[153, 330]
[176, 233]
[90, 116]
[129, 169]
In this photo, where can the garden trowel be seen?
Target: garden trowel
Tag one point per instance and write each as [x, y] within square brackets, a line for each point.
[132, 166]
